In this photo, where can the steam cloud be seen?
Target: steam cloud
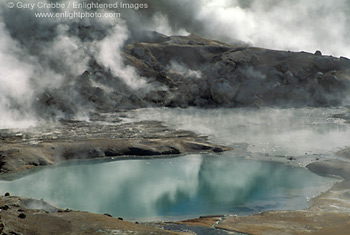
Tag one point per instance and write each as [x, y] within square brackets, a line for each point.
[44, 55]
[276, 24]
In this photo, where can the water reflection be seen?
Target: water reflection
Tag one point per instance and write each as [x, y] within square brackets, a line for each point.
[179, 187]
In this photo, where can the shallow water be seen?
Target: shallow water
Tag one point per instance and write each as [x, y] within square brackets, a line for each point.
[292, 132]
[174, 188]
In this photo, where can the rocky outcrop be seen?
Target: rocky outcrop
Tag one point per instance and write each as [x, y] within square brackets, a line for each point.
[183, 71]
[236, 76]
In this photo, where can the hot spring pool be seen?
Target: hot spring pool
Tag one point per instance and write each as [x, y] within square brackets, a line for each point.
[193, 185]
[174, 188]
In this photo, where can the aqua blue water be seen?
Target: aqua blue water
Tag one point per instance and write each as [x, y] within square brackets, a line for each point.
[173, 188]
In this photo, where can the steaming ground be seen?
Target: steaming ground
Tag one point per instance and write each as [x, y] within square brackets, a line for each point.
[59, 68]
[302, 134]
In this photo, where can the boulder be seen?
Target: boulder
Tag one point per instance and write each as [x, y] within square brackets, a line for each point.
[283, 67]
[318, 53]
[325, 64]
[290, 78]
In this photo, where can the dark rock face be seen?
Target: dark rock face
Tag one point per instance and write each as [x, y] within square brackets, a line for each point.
[192, 71]
[239, 76]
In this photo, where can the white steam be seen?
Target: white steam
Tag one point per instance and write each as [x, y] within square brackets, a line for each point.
[160, 23]
[110, 55]
[288, 25]
[291, 132]
[14, 84]
[183, 71]
[41, 54]
[72, 49]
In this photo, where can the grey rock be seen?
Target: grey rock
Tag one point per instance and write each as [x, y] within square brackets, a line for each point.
[255, 60]
[318, 75]
[222, 92]
[325, 63]
[200, 102]
[222, 76]
[22, 216]
[283, 67]
[318, 53]
[290, 78]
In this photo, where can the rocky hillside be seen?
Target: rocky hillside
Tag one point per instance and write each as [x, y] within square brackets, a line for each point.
[183, 71]
[200, 72]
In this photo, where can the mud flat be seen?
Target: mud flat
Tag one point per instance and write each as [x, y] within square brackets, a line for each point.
[27, 216]
[22, 150]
